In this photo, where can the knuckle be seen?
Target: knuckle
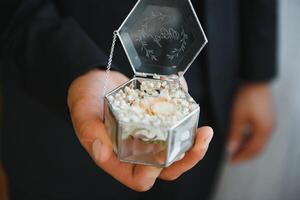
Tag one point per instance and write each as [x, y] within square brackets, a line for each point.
[75, 104]
[84, 131]
[88, 128]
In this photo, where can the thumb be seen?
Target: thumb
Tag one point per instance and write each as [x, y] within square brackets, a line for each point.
[85, 101]
[90, 130]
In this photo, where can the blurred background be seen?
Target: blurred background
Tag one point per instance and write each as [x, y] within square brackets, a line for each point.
[275, 174]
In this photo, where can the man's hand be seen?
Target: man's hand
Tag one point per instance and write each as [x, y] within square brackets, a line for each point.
[85, 103]
[251, 122]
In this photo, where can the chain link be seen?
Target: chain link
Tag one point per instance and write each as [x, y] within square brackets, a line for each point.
[115, 34]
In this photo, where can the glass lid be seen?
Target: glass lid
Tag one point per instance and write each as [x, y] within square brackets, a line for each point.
[162, 37]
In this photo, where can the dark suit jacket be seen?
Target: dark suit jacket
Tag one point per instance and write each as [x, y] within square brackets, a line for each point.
[47, 44]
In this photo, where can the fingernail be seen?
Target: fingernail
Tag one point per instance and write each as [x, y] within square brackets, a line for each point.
[231, 148]
[208, 139]
[180, 157]
[97, 146]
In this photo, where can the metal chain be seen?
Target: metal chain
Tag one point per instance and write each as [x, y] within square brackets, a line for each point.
[115, 34]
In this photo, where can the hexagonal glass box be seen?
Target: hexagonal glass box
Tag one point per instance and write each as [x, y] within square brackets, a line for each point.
[151, 119]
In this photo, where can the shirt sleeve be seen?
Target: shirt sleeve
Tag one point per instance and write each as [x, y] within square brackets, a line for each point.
[258, 40]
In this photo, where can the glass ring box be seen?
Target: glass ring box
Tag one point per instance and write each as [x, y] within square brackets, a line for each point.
[151, 119]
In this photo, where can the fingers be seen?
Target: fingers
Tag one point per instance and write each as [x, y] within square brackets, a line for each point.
[236, 129]
[255, 143]
[192, 157]
[86, 109]
[92, 135]
[251, 109]
[137, 177]
[144, 177]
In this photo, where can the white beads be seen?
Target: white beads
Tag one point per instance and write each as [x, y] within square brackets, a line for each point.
[185, 103]
[158, 84]
[125, 119]
[156, 103]
[193, 107]
[185, 111]
[111, 98]
[116, 103]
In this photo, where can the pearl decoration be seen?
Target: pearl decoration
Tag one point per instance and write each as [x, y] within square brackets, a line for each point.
[154, 103]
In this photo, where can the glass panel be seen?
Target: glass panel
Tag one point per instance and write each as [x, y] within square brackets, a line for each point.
[182, 137]
[162, 36]
[111, 124]
[142, 131]
[134, 148]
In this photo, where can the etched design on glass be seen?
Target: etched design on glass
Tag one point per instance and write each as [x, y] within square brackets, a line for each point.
[177, 51]
[144, 34]
[157, 28]
[144, 44]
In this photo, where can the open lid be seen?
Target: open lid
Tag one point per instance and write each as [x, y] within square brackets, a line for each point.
[162, 37]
